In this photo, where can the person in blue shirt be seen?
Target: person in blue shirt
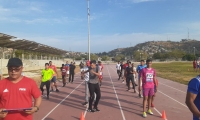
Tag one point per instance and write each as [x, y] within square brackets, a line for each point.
[139, 69]
[193, 97]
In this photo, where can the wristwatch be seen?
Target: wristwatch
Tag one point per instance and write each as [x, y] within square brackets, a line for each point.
[37, 108]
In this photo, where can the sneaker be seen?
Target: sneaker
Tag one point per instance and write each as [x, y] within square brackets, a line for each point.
[90, 110]
[152, 105]
[51, 90]
[57, 90]
[144, 114]
[85, 103]
[140, 95]
[96, 110]
[150, 112]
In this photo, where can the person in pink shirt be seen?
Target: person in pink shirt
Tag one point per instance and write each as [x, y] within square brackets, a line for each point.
[148, 79]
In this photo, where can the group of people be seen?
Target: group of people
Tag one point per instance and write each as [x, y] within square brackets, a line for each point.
[147, 81]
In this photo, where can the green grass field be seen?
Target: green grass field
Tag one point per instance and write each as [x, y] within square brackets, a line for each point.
[181, 72]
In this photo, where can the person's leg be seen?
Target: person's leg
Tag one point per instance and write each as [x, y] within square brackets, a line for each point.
[64, 83]
[72, 77]
[133, 83]
[98, 96]
[145, 98]
[151, 93]
[47, 88]
[55, 83]
[128, 82]
[91, 90]
[86, 93]
[41, 87]
[153, 97]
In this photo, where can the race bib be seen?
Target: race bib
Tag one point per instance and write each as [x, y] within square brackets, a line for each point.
[149, 77]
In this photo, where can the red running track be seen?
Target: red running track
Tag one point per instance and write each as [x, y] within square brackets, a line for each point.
[116, 103]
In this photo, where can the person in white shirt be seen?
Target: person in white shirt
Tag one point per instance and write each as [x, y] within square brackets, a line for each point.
[86, 78]
[134, 75]
[118, 66]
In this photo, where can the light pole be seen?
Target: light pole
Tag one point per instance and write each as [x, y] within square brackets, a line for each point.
[194, 51]
[88, 10]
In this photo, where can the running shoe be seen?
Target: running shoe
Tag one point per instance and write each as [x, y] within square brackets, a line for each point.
[57, 90]
[96, 110]
[144, 114]
[140, 96]
[150, 112]
[90, 110]
[51, 90]
[85, 103]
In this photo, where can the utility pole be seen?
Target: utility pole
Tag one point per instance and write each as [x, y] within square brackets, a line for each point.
[88, 10]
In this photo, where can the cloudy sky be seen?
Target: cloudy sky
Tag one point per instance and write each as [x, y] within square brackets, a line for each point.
[114, 23]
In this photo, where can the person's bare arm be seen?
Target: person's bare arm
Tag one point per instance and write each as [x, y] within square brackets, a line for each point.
[190, 97]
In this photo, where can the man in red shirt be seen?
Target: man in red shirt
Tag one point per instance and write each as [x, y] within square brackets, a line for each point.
[53, 81]
[16, 92]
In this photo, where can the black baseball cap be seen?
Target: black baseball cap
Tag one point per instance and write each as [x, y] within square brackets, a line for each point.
[15, 62]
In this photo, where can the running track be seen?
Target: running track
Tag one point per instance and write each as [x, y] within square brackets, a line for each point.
[115, 103]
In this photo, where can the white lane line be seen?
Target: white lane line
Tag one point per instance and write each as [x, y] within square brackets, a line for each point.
[173, 99]
[61, 101]
[172, 87]
[154, 107]
[120, 107]
[85, 111]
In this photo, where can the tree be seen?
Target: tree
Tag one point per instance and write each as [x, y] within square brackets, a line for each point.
[119, 57]
[105, 58]
[93, 57]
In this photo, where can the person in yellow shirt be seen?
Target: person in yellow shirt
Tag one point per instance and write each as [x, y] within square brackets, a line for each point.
[47, 75]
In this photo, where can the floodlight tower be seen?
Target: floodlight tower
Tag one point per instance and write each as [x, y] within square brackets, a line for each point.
[88, 12]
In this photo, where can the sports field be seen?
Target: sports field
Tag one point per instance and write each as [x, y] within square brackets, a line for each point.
[181, 72]
[116, 103]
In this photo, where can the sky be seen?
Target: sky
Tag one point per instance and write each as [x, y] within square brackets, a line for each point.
[113, 23]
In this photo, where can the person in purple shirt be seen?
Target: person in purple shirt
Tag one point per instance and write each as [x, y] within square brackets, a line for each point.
[193, 97]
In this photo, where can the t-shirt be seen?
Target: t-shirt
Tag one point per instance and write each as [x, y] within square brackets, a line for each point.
[86, 75]
[194, 87]
[18, 95]
[118, 66]
[72, 68]
[94, 79]
[140, 67]
[125, 66]
[129, 70]
[147, 75]
[63, 70]
[53, 67]
[47, 74]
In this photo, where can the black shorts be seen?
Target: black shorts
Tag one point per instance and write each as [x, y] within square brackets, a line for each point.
[63, 76]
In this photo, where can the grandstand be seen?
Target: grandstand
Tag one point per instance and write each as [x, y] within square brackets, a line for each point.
[9, 44]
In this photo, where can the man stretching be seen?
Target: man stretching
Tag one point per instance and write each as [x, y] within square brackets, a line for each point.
[93, 85]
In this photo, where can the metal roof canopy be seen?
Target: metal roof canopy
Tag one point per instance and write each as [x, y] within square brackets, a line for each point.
[22, 44]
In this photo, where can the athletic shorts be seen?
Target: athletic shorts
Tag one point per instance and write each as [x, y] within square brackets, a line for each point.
[63, 76]
[53, 79]
[148, 91]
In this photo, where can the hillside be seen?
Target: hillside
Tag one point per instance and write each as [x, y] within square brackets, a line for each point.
[152, 47]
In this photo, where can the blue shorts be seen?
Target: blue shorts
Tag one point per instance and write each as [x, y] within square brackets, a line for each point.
[53, 79]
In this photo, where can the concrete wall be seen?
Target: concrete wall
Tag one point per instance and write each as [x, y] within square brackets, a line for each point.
[30, 65]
